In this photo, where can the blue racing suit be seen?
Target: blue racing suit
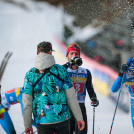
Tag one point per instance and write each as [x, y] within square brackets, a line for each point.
[9, 98]
[128, 79]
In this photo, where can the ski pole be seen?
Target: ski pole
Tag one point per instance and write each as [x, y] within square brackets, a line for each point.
[93, 118]
[115, 111]
[116, 106]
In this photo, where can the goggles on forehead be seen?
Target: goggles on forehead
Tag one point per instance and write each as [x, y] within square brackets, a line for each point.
[74, 45]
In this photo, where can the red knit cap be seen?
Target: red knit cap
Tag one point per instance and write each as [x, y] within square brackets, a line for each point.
[72, 47]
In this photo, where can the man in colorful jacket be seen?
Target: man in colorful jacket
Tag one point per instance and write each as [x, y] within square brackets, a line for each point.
[51, 98]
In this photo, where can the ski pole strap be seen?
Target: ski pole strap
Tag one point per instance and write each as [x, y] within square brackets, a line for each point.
[46, 71]
[2, 111]
[57, 76]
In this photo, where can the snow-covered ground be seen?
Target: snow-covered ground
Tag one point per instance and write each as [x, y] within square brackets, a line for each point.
[20, 32]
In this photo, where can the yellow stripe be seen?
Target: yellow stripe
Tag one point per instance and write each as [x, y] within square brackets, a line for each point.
[2, 110]
[129, 83]
[83, 80]
[17, 91]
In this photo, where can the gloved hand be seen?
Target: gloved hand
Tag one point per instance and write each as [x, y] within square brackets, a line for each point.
[94, 102]
[123, 70]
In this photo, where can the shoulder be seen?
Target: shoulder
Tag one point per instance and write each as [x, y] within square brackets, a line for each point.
[83, 70]
[31, 73]
[33, 70]
[59, 68]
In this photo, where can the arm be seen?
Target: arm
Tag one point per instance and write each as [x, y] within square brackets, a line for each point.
[74, 106]
[120, 79]
[27, 106]
[89, 86]
[27, 110]
[90, 90]
[117, 84]
[72, 101]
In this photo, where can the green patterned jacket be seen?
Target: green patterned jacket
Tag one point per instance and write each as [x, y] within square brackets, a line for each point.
[49, 102]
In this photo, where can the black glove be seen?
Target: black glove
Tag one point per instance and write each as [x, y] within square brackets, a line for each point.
[94, 102]
[123, 70]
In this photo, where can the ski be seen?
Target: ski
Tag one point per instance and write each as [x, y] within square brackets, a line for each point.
[4, 63]
[3, 66]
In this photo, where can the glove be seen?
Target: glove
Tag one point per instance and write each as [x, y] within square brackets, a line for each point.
[123, 70]
[94, 102]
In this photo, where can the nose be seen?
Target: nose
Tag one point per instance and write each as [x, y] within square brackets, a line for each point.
[74, 55]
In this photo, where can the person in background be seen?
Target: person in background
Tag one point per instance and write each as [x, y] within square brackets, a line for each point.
[51, 98]
[10, 97]
[126, 75]
[82, 81]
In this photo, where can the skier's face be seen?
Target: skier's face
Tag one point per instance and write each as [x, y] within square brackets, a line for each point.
[72, 54]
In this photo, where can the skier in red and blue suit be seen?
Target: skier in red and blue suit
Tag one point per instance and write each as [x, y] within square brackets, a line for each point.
[9, 98]
[82, 82]
[126, 76]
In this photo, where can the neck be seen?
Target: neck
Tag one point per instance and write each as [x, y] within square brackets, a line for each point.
[41, 71]
[74, 67]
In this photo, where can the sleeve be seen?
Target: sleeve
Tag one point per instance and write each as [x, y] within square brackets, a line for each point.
[27, 102]
[117, 84]
[73, 104]
[27, 86]
[27, 110]
[89, 86]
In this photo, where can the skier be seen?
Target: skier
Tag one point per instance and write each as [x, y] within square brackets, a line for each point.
[9, 98]
[82, 80]
[126, 75]
[51, 98]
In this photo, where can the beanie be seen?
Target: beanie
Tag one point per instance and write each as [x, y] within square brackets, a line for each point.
[73, 47]
[44, 47]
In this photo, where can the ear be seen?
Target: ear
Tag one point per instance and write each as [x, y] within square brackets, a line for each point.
[50, 52]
